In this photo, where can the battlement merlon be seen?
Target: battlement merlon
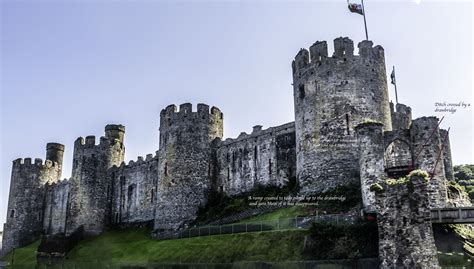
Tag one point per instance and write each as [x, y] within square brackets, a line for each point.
[115, 131]
[343, 49]
[186, 109]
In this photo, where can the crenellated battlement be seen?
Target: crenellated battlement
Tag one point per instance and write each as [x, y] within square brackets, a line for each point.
[186, 110]
[27, 162]
[343, 53]
[257, 132]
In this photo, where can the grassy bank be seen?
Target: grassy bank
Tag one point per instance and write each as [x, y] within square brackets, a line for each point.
[135, 246]
[25, 256]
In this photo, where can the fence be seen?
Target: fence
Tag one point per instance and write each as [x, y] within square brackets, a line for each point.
[253, 226]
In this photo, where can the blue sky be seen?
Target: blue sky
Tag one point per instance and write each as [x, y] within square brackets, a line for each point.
[68, 68]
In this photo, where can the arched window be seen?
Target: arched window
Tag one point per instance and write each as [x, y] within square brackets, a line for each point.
[398, 154]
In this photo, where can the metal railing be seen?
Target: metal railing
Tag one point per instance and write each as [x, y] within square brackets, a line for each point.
[253, 226]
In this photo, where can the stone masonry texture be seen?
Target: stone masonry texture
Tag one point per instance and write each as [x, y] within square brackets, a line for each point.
[345, 132]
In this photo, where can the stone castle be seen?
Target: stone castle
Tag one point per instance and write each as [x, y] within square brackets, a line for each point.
[346, 131]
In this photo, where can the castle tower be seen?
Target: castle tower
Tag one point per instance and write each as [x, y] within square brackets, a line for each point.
[401, 117]
[90, 185]
[427, 142]
[26, 200]
[331, 96]
[185, 162]
[371, 160]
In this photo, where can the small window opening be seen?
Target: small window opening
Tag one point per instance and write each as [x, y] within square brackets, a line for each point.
[269, 166]
[228, 173]
[152, 195]
[347, 124]
[301, 91]
[255, 153]
[12, 214]
[166, 169]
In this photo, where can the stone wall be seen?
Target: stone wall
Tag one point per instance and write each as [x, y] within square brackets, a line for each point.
[331, 96]
[134, 193]
[371, 160]
[56, 207]
[403, 216]
[264, 157]
[428, 156]
[447, 158]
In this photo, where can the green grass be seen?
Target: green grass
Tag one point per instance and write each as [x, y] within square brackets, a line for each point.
[455, 259]
[135, 246]
[25, 256]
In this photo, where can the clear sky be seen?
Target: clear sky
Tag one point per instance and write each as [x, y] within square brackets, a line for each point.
[70, 67]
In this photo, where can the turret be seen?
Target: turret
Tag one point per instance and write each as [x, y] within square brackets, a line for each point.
[331, 96]
[185, 163]
[55, 153]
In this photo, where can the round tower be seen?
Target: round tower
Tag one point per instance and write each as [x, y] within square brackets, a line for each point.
[185, 163]
[331, 96]
[55, 153]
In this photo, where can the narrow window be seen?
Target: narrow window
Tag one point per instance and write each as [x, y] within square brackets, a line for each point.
[209, 170]
[166, 169]
[228, 173]
[152, 195]
[347, 124]
[255, 153]
[301, 91]
[12, 214]
[269, 166]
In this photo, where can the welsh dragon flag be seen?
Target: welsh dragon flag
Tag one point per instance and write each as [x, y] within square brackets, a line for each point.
[355, 8]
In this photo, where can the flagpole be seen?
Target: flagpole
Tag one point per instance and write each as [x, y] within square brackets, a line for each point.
[395, 83]
[365, 23]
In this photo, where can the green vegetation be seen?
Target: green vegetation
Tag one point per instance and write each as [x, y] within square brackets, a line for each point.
[419, 173]
[376, 187]
[404, 180]
[25, 256]
[136, 246]
[466, 232]
[219, 205]
[464, 175]
[456, 259]
[342, 241]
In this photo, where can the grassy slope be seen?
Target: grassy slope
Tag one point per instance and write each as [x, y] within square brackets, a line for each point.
[24, 256]
[136, 246]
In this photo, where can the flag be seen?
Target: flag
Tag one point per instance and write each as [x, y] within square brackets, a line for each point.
[355, 8]
[392, 76]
